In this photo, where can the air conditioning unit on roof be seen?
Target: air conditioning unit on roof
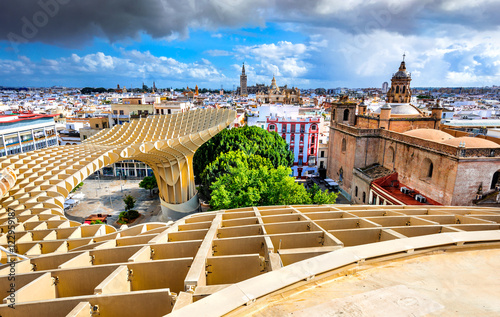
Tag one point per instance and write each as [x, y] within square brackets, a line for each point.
[404, 190]
[420, 198]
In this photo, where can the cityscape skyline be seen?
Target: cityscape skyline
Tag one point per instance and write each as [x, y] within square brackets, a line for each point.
[321, 44]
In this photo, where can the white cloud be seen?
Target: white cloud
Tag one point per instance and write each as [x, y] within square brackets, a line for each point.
[218, 53]
[282, 59]
[131, 64]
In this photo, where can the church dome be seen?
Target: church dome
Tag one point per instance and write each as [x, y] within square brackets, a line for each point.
[472, 142]
[430, 134]
[402, 72]
[401, 109]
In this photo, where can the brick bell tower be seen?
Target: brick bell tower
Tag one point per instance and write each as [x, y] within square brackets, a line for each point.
[243, 82]
[400, 91]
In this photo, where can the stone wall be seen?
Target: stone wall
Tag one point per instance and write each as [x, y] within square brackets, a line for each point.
[361, 181]
[454, 179]
[471, 173]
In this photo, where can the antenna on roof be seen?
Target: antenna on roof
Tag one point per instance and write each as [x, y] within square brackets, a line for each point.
[404, 54]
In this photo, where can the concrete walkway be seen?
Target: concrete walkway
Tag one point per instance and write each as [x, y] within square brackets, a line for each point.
[106, 197]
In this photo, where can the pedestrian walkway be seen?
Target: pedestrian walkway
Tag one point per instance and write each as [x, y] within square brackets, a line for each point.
[105, 196]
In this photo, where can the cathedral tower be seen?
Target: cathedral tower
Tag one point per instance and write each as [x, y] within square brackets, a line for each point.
[243, 82]
[400, 91]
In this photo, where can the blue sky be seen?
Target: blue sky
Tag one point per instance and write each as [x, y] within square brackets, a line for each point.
[309, 44]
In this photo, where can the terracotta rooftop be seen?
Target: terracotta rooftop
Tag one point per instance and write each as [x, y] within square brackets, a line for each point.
[430, 134]
[472, 142]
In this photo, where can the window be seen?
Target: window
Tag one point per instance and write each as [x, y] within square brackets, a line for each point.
[397, 89]
[312, 151]
[146, 112]
[322, 153]
[364, 197]
[356, 191]
[121, 112]
[302, 128]
[158, 111]
[344, 145]
[321, 164]
[313, 127]
[427, 168]
[97, 125]
[293, 128]
[301, 150]
[346, 115]
[115, 111]
[283, 128]
[404, 89]
[272, 127]
[390, 154]
[139, 112]
[495, 180]
[300, 161]
[301, 138]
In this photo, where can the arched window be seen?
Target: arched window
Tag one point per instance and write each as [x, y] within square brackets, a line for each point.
[397, 89]
[313, 127]
[364, 197]
[390, 154]
[404, 89]
[356, 191]
[495, 179]
[427, 168]
[333, 115]
[346, 114]
[344, 145]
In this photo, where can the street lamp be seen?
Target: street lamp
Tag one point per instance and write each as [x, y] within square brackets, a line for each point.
[110, 201]
[98, 180]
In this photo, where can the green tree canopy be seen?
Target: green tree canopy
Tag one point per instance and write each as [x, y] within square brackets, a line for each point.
[320, 197]
[224, 162]
[148, 182]
[243, 187]
[250, 140]
[129, 201]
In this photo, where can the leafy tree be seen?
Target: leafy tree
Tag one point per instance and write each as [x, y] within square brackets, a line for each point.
[129, 202]
[96, 222]
[149, 182]
[127, 216]
[224, 162]
[251, 140]
[282, 189]
[243, 187]
[321, 197]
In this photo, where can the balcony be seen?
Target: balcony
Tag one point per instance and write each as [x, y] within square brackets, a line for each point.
[138, 116]
[312, 161]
